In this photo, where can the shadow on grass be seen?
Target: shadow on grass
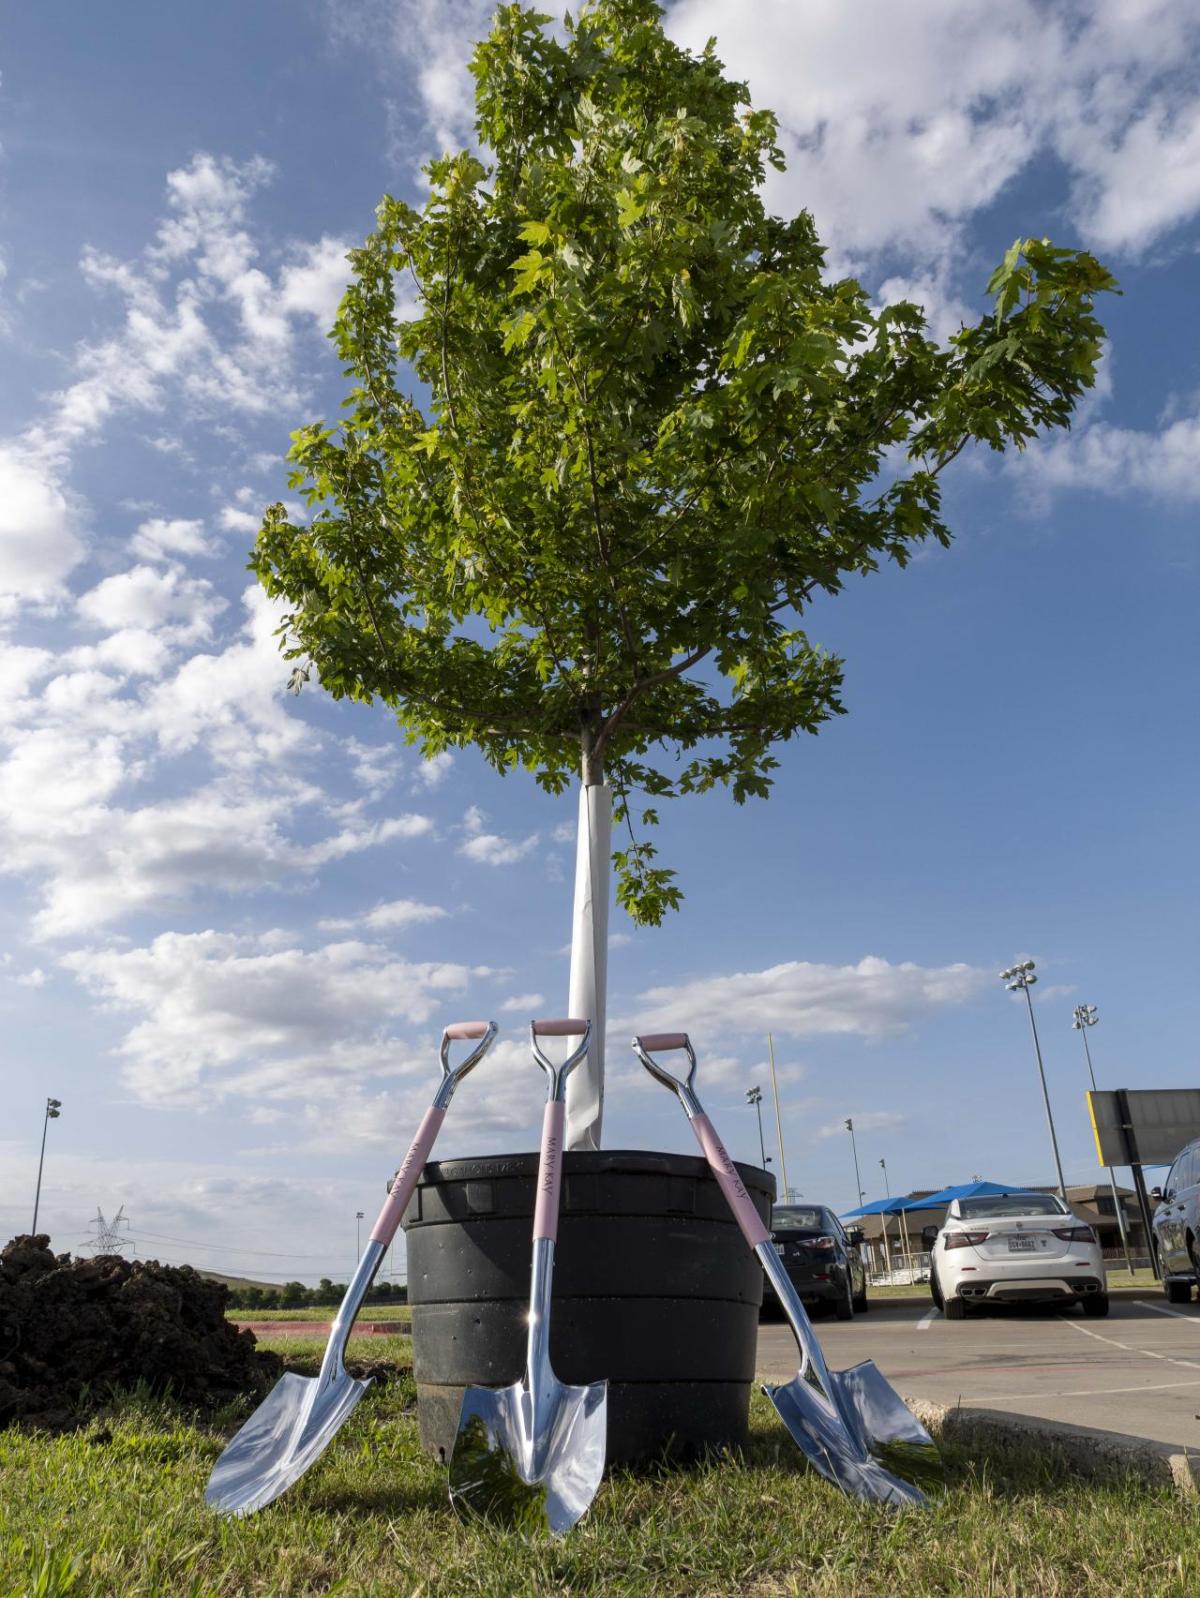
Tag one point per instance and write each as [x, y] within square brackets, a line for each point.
[1014, 1471]
[401, 1499]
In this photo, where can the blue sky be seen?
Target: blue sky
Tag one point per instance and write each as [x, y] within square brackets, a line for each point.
[233, 922]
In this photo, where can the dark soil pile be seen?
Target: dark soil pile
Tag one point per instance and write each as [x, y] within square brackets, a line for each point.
[74, 1330]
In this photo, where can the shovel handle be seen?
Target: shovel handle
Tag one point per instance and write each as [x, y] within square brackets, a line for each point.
[549, 1177]
[569, 1028]
[647, 1044]
[463, 1030]
[408, 1176]
[730, 1182]
[482, 1034]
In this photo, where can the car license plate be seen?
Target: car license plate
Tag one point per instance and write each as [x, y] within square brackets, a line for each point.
[1018, 1245]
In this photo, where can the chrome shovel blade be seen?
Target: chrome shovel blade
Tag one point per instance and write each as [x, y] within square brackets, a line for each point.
[866, 1440]
[534, 1467]
[286, 1433]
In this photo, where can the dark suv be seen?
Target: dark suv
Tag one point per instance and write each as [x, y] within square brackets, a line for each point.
[1176, 1224]
[821, 1258]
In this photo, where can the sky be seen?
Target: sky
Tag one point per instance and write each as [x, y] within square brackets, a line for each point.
[233, 921]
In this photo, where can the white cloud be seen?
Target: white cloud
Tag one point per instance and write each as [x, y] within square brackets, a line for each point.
[206, 322]
[873, 999]
[436, 38]
[492, 848]
[21, 665]
[39, 540]
[433, 772]
[1105, 459]
[177, 538]
[389, 917]
[313, 284]
[147, 597]
[82, 753]
[221, 1014]
[375, 765]
[901, 122]
[234, 520]
[524, 1003]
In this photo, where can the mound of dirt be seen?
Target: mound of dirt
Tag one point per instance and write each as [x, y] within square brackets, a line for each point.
[73, 1330]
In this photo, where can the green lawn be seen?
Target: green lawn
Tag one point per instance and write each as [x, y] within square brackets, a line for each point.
[370, 1312]
[118, 1510]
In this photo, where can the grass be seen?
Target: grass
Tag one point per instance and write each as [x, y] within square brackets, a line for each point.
[369, 1312]
[117, 1509]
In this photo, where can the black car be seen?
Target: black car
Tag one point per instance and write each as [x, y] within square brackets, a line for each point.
[822, 1259]
[1176, 1224]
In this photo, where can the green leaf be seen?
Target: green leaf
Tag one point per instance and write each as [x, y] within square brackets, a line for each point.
[587, 485]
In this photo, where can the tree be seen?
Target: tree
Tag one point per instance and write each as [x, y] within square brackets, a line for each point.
[611, 430]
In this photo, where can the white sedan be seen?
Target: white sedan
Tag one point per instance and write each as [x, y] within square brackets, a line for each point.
[1010, 1248]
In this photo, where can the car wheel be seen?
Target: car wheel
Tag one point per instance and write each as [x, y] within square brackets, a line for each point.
[1095, 1305]
[844, 1308]
[1177, 1292]
[935, 1290]
[954, 1309]
[860, 1303]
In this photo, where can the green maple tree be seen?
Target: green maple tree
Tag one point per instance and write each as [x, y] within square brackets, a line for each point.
[612, 429]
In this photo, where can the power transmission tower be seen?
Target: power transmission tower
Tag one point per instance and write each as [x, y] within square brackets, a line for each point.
[108, 1238]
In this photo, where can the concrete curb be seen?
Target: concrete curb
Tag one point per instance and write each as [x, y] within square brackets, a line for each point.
[1083, 1450]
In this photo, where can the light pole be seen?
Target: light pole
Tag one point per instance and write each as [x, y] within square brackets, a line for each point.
[358, 1217]
[53, 1110]
[1086, 1015]
[1022, 977]
[887, 1188]
[778, 1118]
[854, 1150]
[754, 1097]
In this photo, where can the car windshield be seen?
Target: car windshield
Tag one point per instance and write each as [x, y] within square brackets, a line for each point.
[800, 1218]
[1009, 1204]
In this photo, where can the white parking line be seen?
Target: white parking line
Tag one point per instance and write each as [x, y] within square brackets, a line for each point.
[1146, 1353]
[927, 1321]
[1161, 1309]
[1086, 1392]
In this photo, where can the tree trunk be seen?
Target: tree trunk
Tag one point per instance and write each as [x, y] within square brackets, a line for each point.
[589, 947]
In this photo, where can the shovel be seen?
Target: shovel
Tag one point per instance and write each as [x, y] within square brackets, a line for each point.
[532, 1455]
[852, 1426]
[301, 1414]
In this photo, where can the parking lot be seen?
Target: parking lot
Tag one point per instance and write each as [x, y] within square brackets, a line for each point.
[1138, 1371]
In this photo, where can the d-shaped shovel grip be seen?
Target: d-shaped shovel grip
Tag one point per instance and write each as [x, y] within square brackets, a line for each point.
[549, 1177]
[714, 1150]
[482, 1032]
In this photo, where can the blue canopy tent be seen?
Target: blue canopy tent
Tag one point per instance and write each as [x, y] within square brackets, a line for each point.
[883, 1206]
[947, 1195]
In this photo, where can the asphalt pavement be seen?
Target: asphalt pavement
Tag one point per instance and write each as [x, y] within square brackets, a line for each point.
[1137, 1371]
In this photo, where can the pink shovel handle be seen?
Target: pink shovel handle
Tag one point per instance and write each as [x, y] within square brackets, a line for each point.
[731, 1183]
[660, 1042]
[559, 1029]
[465, 1029]
[408, 1176]
[545, 1214]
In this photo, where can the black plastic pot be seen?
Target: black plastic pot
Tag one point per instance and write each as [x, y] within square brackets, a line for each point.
[654, 1288]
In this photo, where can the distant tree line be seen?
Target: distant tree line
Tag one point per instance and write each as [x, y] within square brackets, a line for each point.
[294, 1295]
